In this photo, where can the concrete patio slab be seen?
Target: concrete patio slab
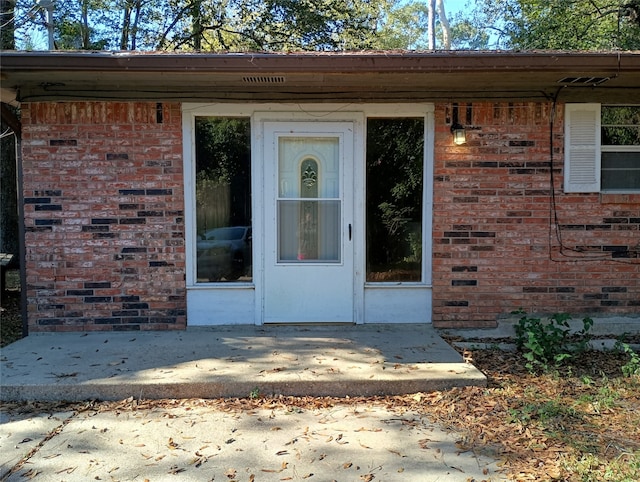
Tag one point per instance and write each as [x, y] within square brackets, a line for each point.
[233, 361]
[194, 441]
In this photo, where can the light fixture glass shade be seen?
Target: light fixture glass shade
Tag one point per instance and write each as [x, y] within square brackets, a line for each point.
[459, 134]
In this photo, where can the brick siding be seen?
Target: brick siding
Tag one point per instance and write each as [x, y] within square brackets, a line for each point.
[497, 246]
[103, 189]
[104, 221]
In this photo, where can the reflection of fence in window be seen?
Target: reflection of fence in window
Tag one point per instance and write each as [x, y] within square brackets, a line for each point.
[223, 197]
[395, 157]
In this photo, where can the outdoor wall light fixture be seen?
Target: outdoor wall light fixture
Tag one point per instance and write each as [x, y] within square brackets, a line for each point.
[459, 134]
[457, 129]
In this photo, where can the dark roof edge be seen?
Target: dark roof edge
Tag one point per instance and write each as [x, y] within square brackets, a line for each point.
[375, 61]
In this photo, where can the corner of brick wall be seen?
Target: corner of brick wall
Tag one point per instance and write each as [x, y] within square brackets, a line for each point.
[497, 245]
[104, 220]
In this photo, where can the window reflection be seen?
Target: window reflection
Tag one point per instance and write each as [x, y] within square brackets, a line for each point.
[395, 153]
[223, 199]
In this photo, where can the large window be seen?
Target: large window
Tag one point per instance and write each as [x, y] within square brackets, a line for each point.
[223, 199]
[394, 200]
[620, 147]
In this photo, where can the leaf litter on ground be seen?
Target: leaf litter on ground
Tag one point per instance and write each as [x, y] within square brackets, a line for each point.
[541, 427]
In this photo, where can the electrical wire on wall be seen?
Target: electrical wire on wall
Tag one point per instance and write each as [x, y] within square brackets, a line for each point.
[571, 254]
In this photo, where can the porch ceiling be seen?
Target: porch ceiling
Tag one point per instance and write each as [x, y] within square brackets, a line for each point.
[322, 77]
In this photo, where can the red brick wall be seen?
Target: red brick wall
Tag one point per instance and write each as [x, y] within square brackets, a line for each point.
[103, 188]
[497, 246]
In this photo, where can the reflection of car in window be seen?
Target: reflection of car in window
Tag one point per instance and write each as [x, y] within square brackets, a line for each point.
[224, 253]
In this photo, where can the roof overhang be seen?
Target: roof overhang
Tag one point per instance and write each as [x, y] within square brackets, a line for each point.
[321, 77]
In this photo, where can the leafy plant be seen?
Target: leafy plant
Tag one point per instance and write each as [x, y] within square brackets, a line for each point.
[632, 367]
[255, 393]
[546, 343]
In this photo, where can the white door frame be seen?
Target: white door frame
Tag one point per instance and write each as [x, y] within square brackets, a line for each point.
[242, 303]
[261, 118]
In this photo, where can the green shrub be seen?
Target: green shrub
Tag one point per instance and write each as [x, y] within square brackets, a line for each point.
[632, 367]
[547, 343]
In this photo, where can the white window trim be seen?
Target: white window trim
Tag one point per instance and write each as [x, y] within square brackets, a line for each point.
[414, 301]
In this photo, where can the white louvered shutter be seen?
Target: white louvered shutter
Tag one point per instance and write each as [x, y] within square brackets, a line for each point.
[582, 148]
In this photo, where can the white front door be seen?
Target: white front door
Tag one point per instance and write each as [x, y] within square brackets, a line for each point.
[308, 206]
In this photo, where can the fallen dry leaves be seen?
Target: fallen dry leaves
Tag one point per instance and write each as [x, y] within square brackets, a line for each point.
[539, 426]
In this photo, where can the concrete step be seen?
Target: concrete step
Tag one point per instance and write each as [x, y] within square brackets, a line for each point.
[233, 361]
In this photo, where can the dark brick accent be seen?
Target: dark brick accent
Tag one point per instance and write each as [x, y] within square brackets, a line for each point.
[49, 193]
[126, 299]
[95, 229]
[50, 321]
[37, 200]
[614, 289]
[482, 248]
[521, 143]
[464, 282]
[158, 264]
[119, 156]
[97, 284]
[535, 289]
[87, 292]
[131, 192]
[98, 299]
[564, 289]
[595, 296]
[159, 192]
[48, 207]
[48, 222]
[106, 321]
[135, 306]
[456, 303]
[63, 142]
[133, 250]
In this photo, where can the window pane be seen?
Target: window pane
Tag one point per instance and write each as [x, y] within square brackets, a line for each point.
[620, 136]
[223, 199]
[621, 170]
[395, 153]
[309, 231]
[621, 115]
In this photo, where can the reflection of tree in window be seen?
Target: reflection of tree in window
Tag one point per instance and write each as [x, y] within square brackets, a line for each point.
[620, 146]
[394, 199]
[223, 197]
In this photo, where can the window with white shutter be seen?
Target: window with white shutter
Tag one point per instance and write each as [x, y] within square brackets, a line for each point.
[602, 148]
[582, 148]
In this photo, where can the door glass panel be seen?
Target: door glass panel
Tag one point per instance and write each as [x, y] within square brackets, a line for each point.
[309, 208]
[395, 154]
[223, 199]
[308, 231]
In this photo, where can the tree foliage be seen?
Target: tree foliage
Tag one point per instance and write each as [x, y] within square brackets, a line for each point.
[559, 25]
[228, 25]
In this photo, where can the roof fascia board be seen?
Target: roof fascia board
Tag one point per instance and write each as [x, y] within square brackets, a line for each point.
[449, 61]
